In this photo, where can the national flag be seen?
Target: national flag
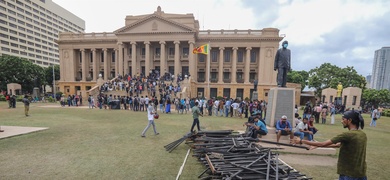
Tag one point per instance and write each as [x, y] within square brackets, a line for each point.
[204, 49]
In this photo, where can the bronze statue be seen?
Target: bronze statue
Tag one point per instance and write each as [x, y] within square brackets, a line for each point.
[282, 64]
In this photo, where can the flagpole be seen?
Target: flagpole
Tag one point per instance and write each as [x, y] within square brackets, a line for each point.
[208, 69]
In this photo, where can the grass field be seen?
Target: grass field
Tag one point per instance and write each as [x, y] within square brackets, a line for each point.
[103, 144]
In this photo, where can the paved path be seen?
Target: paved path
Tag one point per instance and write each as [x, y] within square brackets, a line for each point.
[10, 131]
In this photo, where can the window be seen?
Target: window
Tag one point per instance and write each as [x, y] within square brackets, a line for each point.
[354, 100]
[240, 56]
[4, 42]
[113, 57]
[171, 51]
[214, 76]
[252, 76]
[201, 57]
[226, 92]
[186, 51]
[101, 56]
[201, 76]
[253, 56]
[13, 32]
[214, 56]
[226, 56]
[331, 99]
[226, 75]
[157, 51]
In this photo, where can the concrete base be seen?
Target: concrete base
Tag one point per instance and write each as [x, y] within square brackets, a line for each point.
[255, 95]
[281, 101]
[36, 92]
[10, 131]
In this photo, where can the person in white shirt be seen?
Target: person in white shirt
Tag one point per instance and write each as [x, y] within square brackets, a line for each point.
[216, 104]
[302, 130]
[235, 106]
[151, 114]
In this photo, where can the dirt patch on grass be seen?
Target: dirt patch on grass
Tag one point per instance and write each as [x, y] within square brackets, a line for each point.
[292, 159]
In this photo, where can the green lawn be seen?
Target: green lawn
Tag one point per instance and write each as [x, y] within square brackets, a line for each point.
[104, 144]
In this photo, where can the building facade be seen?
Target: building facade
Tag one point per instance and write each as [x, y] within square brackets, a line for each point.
[164, 42]
[29, 29]
[380, 78]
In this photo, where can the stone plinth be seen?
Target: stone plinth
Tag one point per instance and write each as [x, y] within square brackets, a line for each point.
[281, 102]
[36, 92]
[255, 96]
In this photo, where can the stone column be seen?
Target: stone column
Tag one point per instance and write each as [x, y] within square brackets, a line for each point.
[220, 65]
[147, 57]
[163, 65]
[133, 58]
[83, 66]
[116, 62]
[177, 58]
[125, 59]
[106, 65]
[192, 64]
[234, 66]
[247, 64]
[94, 65]
[120, 58]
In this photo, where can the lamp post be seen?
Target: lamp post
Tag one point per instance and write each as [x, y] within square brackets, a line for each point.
[54, 85]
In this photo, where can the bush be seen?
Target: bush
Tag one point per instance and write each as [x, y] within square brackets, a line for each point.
[50, 99]
[2, 97]
[19, 98]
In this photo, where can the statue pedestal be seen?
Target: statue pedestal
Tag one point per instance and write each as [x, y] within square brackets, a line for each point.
[281, 101]
[35, 92]
[255, 95]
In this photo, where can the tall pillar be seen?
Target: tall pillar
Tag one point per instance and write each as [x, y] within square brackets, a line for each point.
[177, 58]
[191, 60]
[116, 62]
[94, 65]
[163, 66]
[147, 57]
[106, 65]
[234, 66]
[247, 64]
[220, 65]
[125, 59]
[119, 57]
[133, 58]
[83, 65]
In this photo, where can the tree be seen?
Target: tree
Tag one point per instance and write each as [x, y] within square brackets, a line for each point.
[49, 75]
[19, 70]
[328, 75]
[299, 77]
[376, 97]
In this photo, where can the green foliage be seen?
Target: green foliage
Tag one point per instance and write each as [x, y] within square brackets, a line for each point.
[328, 75]
[18, 70]
[219, 97]
[19, 98]
[2, 97]
[376, 97]
[49, 74]
[50, 99]
[299, 77]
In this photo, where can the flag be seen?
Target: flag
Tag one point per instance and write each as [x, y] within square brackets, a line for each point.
[204, 49]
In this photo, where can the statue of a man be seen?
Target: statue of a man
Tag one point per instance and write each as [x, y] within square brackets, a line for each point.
[255, 83]
[339, 89]
[282, 64]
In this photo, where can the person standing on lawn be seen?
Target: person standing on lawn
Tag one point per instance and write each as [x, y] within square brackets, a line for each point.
[151, 114]
[351, 164]
[195, 114]
[26, 103]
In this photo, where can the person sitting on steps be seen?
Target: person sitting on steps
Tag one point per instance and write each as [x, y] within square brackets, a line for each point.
[258, 127]
[283, 127]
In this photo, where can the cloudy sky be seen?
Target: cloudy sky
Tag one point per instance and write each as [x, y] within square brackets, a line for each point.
[341, 32]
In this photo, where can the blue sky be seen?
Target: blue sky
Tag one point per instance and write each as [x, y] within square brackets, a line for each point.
[341, 32]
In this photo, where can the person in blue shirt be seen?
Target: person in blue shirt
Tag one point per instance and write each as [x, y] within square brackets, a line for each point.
[258, 127]
[283, 127]
[227, 107]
